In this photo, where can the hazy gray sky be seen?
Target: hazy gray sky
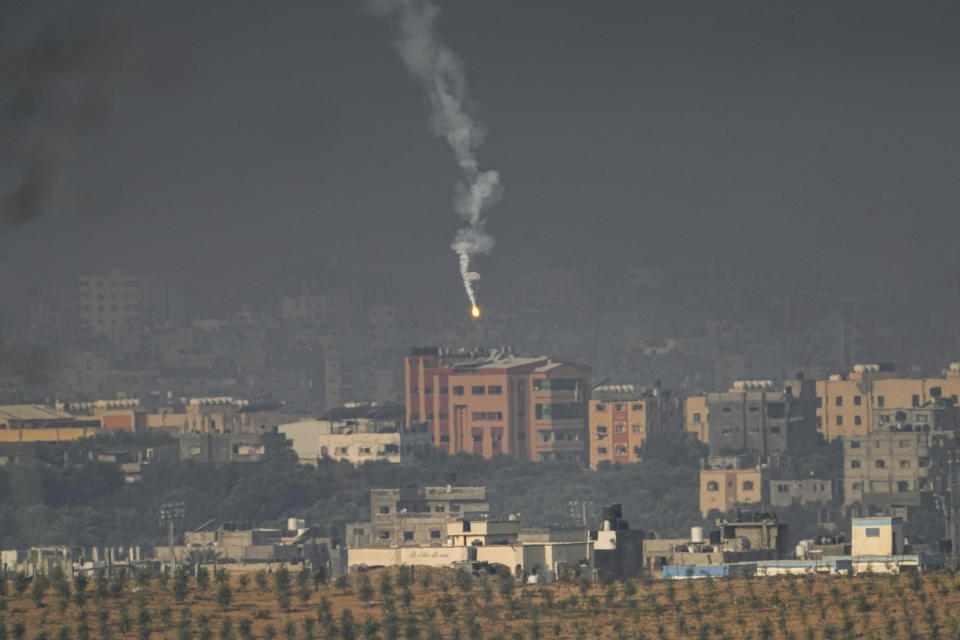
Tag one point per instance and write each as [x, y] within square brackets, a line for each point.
[240, 137]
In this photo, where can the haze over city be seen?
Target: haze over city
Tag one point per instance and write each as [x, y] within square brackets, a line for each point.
[525, 292]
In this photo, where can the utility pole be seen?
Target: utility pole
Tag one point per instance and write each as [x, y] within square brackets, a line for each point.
[171, 513]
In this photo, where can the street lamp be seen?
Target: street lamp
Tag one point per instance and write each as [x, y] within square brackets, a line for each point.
[171, 513]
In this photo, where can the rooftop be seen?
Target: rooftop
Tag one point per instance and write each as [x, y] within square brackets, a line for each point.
[31, 412]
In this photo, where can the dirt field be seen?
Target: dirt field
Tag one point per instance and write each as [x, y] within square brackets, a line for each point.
[437, 604]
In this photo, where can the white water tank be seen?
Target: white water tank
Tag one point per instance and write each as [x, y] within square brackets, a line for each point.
[696, 534]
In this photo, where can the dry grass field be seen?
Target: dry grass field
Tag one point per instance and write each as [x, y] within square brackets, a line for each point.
[434, 604]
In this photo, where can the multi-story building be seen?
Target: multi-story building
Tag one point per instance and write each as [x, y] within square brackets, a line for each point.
[495, 402]
[785, 492]
[886, 471]
[119, 302]
[726, 481]
[755, 418]
[24, 423]
[846, 404]
[416, 516]
[622, 417]
[695, 417]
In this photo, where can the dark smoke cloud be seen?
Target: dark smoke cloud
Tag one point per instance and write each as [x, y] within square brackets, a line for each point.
[54, 90]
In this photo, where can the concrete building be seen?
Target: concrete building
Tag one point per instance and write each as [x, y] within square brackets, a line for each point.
[495, 402]
[119, 302]
[886, 471]
[755, 418]
[221, 448]
[785, 492]
[726, 481]
[23, 423]
[876, 537]
[416, 516]
[846, 405]
[695, 417]
[622, 417]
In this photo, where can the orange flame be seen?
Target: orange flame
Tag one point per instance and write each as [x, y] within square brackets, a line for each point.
[475, 311]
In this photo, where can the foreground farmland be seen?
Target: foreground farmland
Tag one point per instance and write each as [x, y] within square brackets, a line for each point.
[441, 604]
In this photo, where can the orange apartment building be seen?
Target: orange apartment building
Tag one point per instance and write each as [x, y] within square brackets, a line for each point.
[846, 404]
[495, 402]
[622, 417]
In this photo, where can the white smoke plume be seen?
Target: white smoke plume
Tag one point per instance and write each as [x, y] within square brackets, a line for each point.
[440, 72]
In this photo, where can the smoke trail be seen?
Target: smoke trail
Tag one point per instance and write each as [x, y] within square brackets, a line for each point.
[56, 89]
[441, 73]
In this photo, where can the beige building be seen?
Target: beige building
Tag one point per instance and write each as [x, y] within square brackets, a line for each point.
[888, 470]
[39, 423]
[622, 417]
[118, 302]
[846, 404]
[876, 537]
[726, 481]
[695, 417]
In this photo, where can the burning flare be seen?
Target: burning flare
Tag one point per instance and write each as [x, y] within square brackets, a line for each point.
[475, 311]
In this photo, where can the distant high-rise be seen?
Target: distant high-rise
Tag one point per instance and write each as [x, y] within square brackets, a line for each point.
[495, 402]
[119, 302]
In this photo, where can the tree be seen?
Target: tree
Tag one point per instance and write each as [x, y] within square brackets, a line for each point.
[386, 585]
[226, 629]
[507, 585]
[281, 584]
[348, 628]
[180, 582]
[203, 579]
[245, 628]
[20, 583]
[365, 589]
[260, 578]
[290, 630]
[38, 589]
[224, 596]
[464, 580]
[80, 589]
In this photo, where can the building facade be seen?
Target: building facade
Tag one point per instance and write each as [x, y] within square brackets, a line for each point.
[622, 417]
[757, 419]
[494, 402]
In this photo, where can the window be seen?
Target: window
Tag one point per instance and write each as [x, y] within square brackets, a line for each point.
[494, 389]
[407, 536]
[839, 401]
[434, 534]
[478, 437]
[457, 390]
[364, 451]
[880, 464]
[601, 429]
[444, 438]
[619, 428]
[873, 532]
[477, 390]
[774, 429]
[455, 508]
[639, 407]
[414, 391]
[748, 485]
[753, 409]
[782, 488]
[819, 422]
[857, 420]
[713, 486]
[600, 407]
[903, 485]
[854, 444]
[879, 401]
[340, 451]
[819, 401]
[854, 464]
[620, 450]
[754, 429]
[557, 384]
[726, 409]
[696, 416]
[439, 508]
[636, 428]
[920, 417]
[839, 421]
[857, 400]
[727, 431]
[915, 400]
[195, 450]
[429, 416]
[905, 464]
[444, 416]
[601, 451]
[487, 415]
[444, 390]
[383, 535]
[414, 417]
[428, 391]
[856, 486]
[558, 411]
